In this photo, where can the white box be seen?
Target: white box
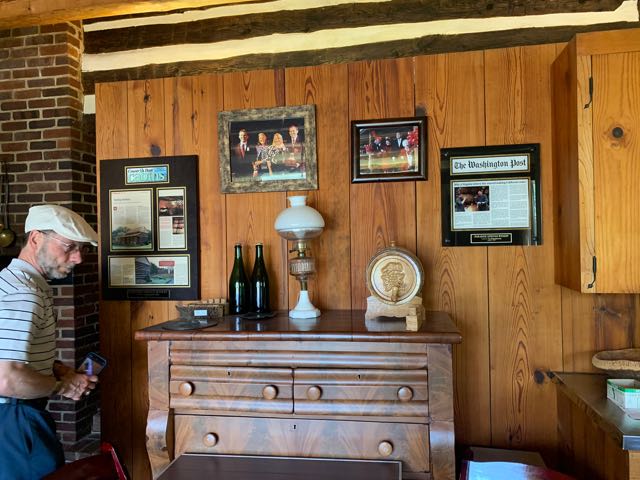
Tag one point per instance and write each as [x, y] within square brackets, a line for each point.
[625, 392]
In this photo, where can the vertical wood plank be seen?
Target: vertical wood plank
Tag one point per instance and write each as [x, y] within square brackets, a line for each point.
[178, 126]
[326, 87]
[456, 278]
[207, 102]
[115, 324]
[178, 116]
[146, 118]
[250, 216]
[524, 302]
[592, 323]
[146, 136]
[379, 213]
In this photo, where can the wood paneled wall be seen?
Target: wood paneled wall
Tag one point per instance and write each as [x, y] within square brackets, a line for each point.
[517, 325]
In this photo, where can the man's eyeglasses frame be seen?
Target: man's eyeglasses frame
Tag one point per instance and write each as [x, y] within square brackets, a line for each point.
[68, 248]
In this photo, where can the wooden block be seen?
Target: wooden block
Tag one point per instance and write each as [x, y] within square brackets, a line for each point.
[415, 318]
[375, 308]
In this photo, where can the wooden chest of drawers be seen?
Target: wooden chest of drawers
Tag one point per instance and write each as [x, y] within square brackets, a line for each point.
[338, 392]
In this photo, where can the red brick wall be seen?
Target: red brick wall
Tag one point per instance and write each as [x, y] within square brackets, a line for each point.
[49, 150]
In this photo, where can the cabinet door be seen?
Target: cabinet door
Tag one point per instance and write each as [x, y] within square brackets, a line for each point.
[616, 139]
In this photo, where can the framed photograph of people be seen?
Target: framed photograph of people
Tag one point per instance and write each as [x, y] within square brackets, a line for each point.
[268, 149]
[389, 150]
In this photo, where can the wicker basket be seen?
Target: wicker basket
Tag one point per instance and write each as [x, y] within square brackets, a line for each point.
[623, 363]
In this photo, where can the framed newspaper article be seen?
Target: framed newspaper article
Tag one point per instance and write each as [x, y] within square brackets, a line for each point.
[491, 195]
[149, 218]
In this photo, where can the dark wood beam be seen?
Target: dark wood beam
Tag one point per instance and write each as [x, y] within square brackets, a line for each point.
[338, 16]
[20, 13]
[430, 44]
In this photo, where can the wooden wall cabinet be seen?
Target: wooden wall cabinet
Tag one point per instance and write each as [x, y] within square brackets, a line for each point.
[596, 156]
[342, 391]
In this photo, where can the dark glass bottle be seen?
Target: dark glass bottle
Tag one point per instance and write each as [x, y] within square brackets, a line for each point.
[238, 285]
[259, 284]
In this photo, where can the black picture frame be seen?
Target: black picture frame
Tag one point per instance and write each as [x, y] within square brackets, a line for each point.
[491, 195]
[150, 251]
[272, 161]
[389, 150]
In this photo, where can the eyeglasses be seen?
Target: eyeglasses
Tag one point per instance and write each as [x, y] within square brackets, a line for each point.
[70, 248]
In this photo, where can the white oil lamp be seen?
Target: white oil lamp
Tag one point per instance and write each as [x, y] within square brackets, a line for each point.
[300, 223]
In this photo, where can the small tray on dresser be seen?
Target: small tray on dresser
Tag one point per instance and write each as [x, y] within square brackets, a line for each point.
[194, 324]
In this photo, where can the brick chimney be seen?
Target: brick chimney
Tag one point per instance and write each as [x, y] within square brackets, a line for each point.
[49, 151]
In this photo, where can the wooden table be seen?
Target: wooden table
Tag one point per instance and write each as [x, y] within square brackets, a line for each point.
[338, 386]
[234, 467]
[597, 439]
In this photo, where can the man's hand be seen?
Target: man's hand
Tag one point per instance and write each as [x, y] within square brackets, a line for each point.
[19, 380]
[74, 385]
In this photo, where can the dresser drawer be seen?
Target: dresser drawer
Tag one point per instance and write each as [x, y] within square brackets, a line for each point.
[306, 438]
[402, 393]
[231, 389]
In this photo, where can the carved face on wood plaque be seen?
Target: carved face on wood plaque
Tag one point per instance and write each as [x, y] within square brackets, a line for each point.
[394, 275]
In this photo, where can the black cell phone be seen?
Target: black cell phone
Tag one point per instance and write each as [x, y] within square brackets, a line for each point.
[93, 364]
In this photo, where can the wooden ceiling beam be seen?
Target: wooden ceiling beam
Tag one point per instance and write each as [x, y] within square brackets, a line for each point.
[427, 45]
[326, 18]
[22, 13]
[19, 13]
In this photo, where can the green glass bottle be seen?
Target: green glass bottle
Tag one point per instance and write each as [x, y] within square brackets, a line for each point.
[238, 285]
[259, 284]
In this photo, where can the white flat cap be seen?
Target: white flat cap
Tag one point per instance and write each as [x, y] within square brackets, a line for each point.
[61, 220]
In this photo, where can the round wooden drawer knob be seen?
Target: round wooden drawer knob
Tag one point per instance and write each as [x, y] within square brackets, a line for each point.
[270, 392]
[385, 448]
[405, 394]
[314, 393]
[186, 389]
[210, 439]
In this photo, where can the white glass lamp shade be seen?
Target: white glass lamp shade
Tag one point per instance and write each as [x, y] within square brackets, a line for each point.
[299, 221]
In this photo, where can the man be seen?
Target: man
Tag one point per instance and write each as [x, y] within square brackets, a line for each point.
[482, 200]
[242, 161]
[56, 239]
[397, 143]
[294, 148]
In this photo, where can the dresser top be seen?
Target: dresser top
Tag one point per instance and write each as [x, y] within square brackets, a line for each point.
[332, 325]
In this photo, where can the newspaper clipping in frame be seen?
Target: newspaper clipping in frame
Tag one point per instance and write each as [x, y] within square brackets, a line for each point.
[492, 198]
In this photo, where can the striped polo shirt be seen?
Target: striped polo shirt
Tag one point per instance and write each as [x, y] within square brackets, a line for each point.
[27, 319]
